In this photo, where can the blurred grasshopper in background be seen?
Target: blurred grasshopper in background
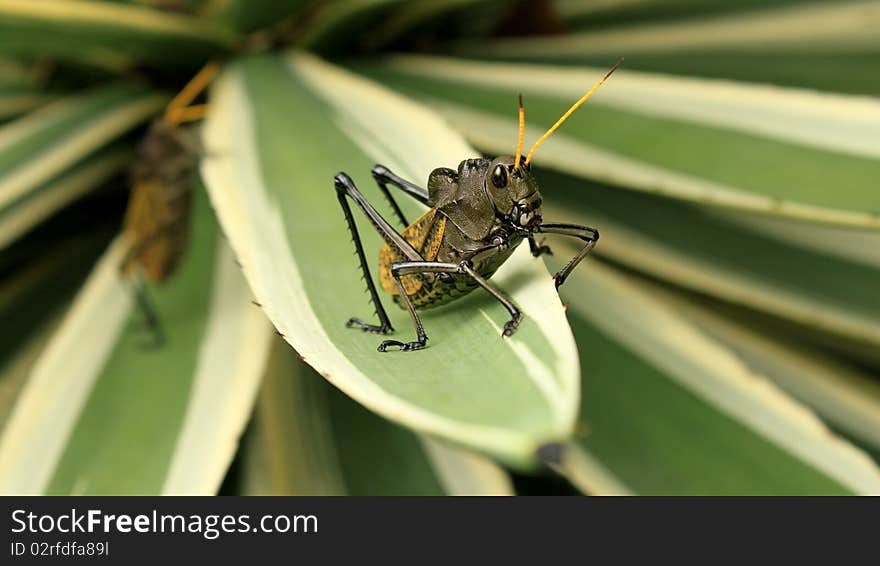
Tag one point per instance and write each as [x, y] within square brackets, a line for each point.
[162, 179]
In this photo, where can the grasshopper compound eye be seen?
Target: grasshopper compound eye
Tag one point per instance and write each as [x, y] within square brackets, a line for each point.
[500, 176]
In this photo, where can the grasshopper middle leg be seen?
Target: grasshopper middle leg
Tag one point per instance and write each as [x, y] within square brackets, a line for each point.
[418, 267]
[385, 177]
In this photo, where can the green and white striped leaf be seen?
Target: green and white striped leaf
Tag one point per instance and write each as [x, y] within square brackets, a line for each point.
[830, 296]
[20, 88]
[822, 45]
[16, 73]
[341, 24]
[15, 101]
[104, 411]
[250, 15]
[698, 419]
[587, 473]
[850, 244]
[579, 14]
[15, 370]
[39, 146]
[416, 15]
[847, 26]
[281, 129]
[30, 209]
[710, 142]
[108, 35]
[32, 298]
[846, 397]
[310, 439]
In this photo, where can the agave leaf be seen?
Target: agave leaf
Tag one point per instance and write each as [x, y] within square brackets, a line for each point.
[846, 26]
[462, 472]
[91, 406]
[415, 15]
[587, 473]
[37, 147]
[845, 396]
[17, 101]
[34, 290]
[274, 194]
[686, 246]
[338, 25]
[826, 46]
[698, 419]
[683, 138]
[15, 73]
[310, 439]
[851, 244]
[288, 448]
[31, 298]
[579, 14]
[30, 209]
[20, 89]
[250, 15]
[108, 35]
[15, 370]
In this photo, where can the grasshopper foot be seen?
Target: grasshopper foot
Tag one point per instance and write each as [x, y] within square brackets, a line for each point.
[367, 327]
[511, 325]
[559, 279]
[402, 346]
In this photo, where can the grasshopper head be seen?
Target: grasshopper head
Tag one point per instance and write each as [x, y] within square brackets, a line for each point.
[513, 192]
[509, 180]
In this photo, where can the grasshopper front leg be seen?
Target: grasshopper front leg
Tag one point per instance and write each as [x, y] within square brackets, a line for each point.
[538, 249]
[584, 233]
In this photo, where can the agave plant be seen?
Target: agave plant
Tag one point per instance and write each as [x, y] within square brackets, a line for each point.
[723, 338]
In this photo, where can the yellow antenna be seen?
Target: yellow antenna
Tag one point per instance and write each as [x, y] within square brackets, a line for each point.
[179, 109]
[522, 133]
[571, 110]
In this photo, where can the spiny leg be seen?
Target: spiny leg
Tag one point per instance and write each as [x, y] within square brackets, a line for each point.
[345, 188]
[584, 233]
[384, 177]
[384, 325]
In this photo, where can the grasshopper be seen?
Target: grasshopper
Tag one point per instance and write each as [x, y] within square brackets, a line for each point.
[477, 216]
[162, 178]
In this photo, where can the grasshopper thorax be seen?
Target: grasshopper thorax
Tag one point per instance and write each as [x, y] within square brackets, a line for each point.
[513, 192]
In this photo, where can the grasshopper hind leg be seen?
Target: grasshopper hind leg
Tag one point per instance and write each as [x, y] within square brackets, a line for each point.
[343, 190]
[355, 322]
